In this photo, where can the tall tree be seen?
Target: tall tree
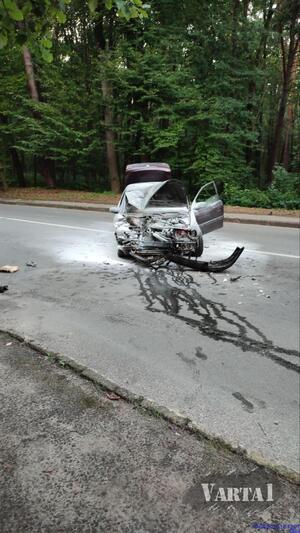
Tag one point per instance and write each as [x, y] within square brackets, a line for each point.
[43, 163]
[290, 113]
[197, 84]
[288, 26]
[105, 39]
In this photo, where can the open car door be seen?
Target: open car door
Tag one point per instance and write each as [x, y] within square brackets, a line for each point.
[208, 208]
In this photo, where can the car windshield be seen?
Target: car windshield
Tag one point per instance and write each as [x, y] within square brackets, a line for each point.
[172, 194]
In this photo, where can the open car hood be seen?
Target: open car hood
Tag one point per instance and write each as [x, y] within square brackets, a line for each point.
[139, 195]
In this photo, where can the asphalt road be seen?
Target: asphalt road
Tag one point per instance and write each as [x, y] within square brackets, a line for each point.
[73, 460]
[221, 350]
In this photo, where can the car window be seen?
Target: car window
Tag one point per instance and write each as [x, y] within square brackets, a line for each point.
[208, 194]
[169, 195]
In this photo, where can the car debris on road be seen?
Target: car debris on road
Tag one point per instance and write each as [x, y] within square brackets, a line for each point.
[155, 223]
[31, 264]
[9, 269]
[3, 288]
[112, 396]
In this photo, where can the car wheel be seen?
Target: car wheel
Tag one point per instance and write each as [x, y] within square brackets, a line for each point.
[122, 254]
[199, 248]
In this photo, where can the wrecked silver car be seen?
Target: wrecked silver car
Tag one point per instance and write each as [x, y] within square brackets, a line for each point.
[154, 220]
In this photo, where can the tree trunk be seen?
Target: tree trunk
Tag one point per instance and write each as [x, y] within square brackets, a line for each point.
[278, 128]
[3, 182]
[18, 167]
[253, 154]
[246, 7]
[290, 113]
[288, 59]
[111, 154]
[32, 87]
[43, 163]
[235, 20]
[288, 136]
[17, 164]
[105, 41]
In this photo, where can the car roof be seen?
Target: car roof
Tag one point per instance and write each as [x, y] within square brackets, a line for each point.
[142, 172]
[137, 167]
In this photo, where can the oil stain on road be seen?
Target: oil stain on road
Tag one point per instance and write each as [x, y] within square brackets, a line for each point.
[175, 293]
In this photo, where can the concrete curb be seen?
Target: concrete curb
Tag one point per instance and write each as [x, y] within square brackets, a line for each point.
[59, 205]
[263, 222]
[155, 409]
[283, 222]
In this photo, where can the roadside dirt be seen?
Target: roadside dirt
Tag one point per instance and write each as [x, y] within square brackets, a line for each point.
[62, 195]
[65, 195]
[261, 211]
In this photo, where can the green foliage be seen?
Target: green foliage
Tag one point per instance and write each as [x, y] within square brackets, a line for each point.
[194, 84]
[25, 21]
[127, 9]
[286, 181]
[269, 198]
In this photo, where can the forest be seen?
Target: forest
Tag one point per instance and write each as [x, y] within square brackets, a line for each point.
[211, 87]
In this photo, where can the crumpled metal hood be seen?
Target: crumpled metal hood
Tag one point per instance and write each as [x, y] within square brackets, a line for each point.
[139, 194]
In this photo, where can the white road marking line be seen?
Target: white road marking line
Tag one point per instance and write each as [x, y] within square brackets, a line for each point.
[81, 228]
[261, 252]
[56, 225]
[272, 253]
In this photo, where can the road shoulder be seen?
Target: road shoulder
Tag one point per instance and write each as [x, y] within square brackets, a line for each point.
[74, 457]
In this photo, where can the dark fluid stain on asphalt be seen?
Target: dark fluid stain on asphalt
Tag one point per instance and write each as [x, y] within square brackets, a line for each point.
[200, 354]
[261, 404]
[191, 363]
[248, 406]
[176, 294]
[187, 360]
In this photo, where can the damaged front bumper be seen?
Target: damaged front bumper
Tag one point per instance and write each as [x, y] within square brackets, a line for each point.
[208, 266]
[157, 258]
[161, 241]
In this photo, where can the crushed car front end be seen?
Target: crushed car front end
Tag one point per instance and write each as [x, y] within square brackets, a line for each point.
[155, 223]
[157, 233]
[155, 219]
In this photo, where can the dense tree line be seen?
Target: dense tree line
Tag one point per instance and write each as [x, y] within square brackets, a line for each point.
[210, 86]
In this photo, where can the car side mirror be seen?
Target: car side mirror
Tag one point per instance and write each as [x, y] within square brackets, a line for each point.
[114, 209]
